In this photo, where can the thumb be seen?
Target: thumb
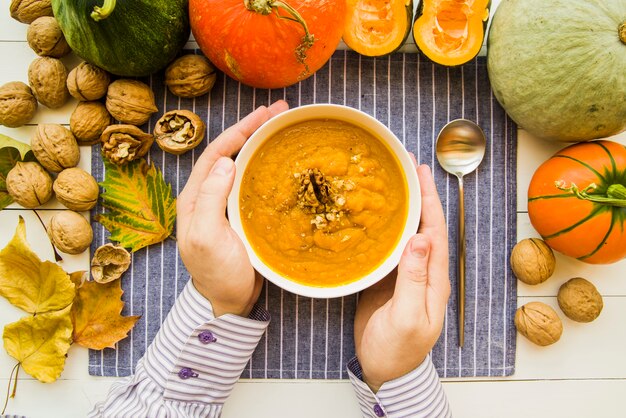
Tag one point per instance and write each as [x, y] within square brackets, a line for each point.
[410, 292]
[210, 208]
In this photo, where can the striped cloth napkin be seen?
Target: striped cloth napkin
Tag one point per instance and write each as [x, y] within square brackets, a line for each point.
[314, 338]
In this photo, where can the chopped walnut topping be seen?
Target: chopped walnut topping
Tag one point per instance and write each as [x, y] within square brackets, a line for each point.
[321, 197]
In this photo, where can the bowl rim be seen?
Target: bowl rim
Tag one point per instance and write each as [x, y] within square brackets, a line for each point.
[370, 124]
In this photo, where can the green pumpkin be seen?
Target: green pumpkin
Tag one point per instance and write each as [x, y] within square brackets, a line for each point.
[132, 38]
[559, 67]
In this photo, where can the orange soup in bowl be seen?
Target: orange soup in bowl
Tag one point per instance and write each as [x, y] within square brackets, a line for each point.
[323, 202]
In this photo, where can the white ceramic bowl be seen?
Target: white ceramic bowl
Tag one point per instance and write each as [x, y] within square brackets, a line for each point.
[356, 117]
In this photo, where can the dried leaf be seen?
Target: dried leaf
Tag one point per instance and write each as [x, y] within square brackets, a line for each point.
[31, 284]
[40, 343]
[11, 151]
[79, 278]
[141, 209]
[96, 315]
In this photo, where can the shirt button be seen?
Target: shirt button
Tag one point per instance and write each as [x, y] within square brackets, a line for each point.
[206, 337]
[186, 373]
[379, 411]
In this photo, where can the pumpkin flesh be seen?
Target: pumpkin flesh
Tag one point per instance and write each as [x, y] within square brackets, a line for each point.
[451, 32]
[377, 27]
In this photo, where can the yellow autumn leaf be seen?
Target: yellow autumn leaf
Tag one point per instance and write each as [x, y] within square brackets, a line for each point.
[96, 315]
[40, 343]
[31, 284]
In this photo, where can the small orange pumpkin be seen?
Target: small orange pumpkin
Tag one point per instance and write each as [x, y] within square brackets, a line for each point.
[451, 32]
[577, 201]
[268, 43]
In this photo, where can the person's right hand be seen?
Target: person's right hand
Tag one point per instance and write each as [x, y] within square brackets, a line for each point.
[398, 321]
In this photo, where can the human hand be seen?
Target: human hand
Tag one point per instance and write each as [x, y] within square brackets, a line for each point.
[399, 319]
[212, 252]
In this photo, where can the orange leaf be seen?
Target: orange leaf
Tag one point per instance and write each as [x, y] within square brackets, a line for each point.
[96, 315]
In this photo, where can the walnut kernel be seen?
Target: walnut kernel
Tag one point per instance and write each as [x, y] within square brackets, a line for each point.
[190, 76]
[87, 82]
[532, 261]
[88, 121]
[55, 147]
[26, 11]
[580, 300]
[70, 232]
[109, 262]
[45, 38]
[124, 143]
[76, 189]
[17, 104]
[29, 184]
[130, 101]
[539, 323]
[47, 77]
[179, 131]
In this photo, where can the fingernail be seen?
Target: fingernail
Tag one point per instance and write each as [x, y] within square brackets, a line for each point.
[419, 247]
[223, 166]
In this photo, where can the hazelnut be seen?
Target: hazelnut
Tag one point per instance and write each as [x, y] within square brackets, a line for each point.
[124, 143]
[70, 232]
[45, 38]
[55, 147]
[87, 82]
[26, 11]
[580, 300]
[17, 104]
[29, 184]
[190, 76]
[130, 101]
[539, 323]
[47, 77]
[109, 262]
[88, 121]
[76, 189]
[532, 261]
[179, 131]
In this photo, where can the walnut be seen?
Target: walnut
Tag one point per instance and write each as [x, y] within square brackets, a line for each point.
[47, 77]
[29, 184]
[539, 323]
[45, 38]
[532, 261]
[124, 143]
[26, 11]
[130, 101]
[109, 262]
[76, 189]
[17, 104]
[70, 232]
[580, 300]
[179, 131]
[319, 196]
[190, 76]
[88, 121]
[87, 82]
[55, 147]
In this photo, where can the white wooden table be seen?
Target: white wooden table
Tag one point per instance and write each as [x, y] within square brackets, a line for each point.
[583, 375]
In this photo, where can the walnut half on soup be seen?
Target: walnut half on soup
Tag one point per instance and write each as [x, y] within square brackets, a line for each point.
[323, 202]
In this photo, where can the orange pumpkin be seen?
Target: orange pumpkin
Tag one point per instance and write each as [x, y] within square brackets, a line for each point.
[451, 32]
[268, 43]
[577, 201]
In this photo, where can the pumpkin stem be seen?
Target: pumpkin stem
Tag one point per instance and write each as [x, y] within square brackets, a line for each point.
[266, 7]
[622, 32]
[100, 13]
[615, 194]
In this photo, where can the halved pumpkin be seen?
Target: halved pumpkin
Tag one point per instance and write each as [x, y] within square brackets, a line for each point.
[451, 32]
[377, 27]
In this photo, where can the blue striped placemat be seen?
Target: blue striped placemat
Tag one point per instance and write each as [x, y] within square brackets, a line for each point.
[313, 338]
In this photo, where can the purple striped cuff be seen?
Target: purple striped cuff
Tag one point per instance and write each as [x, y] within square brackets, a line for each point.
[418, 394]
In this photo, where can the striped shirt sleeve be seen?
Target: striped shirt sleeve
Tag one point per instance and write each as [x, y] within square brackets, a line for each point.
[418, 394]
[191, 366]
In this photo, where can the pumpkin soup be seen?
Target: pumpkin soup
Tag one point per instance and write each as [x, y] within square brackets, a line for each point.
[323, 202]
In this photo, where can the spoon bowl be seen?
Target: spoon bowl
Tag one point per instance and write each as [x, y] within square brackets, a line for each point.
[460, 149]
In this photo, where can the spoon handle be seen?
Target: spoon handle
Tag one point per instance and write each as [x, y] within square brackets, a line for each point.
[461, 264]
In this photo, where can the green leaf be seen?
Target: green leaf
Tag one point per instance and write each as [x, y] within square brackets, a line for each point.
[31, 284]
[141, 209]
[10, 153]
[22, 147]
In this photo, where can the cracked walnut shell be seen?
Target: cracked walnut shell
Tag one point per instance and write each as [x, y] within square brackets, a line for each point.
[88, 121]
[109, 262]
[45, 38]
[179, 131]
[580, 300]
[539, 323]
[87, 82]
[124, 143]
[532, 261]
[47, 77]
[70, 232]
[29, 184]
[76, 189]
[190, 76]
[55, 147]
[17, 104]
[26, 11]
[130, 101]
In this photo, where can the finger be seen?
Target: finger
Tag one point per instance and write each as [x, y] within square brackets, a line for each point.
[413, 160]
[409, 296]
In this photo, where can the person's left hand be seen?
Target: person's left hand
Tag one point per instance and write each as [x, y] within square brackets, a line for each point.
[212, 252]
